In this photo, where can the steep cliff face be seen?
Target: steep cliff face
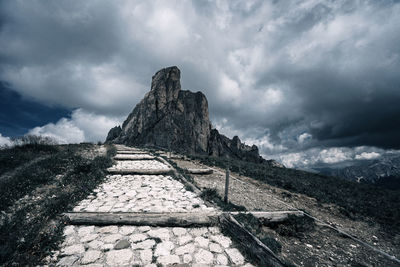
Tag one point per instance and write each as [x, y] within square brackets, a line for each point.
[168, 117]
[172, 118]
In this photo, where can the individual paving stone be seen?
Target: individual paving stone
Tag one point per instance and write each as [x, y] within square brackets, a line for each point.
[122, 244]
[88, 238]
[184, 239]
[235, 256]
[137, 237]
[107, 229]
[187, 258]
[69, 230]
[222, 259]
[203, 242]
[127, 230]
[169, 259]
[204, 257]
[215, 248]
[119, 257]
[146, 256]
[74, 249]
[161, 233]
[68, 261]
[111, 238]
[149, 243]
[164, 248]
[198, 231]
[178, 231]
[95, 244]
[222, 240]
[90, 256]
[186, 249]
[85, 230]
[144, 228]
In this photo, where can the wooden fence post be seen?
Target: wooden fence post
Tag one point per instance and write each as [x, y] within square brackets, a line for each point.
[226, 185]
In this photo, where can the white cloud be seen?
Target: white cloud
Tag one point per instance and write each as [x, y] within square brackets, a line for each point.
[334, 155]
[229, 91]
[304, 137]
[83, 126]
[367, 155]
[5, 141]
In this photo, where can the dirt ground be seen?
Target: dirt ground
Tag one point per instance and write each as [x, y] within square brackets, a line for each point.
[321, 246]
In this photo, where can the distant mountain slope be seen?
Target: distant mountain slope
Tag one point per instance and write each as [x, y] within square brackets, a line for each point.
[384, 171]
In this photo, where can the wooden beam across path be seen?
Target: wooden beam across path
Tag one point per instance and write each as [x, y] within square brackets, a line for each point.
[140, 171]
[133, 157]
[199, 171]
[162, 219]
[131, 152]
[182, 219]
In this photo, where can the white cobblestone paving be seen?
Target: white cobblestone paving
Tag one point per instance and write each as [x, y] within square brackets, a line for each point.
[139, 164]
[144, 245]
[141, 193]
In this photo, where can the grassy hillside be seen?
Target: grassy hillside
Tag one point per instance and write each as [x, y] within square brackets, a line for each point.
[356, 200]
[33, 196]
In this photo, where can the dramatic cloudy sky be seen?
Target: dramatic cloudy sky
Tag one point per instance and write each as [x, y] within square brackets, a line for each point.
[307, 81]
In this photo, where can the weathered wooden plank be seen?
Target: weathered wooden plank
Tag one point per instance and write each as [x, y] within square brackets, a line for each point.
[133, 157]
[140, 171]
[131, 152]
[199, 171]
[251, 244]
[266, 217]
[173, 219]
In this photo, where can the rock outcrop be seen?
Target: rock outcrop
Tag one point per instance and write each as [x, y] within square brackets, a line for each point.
[221, 146]
[176, 119]
[113, 133]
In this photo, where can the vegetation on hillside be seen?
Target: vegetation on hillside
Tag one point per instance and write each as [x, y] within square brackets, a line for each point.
[35, 195]
[355, 199]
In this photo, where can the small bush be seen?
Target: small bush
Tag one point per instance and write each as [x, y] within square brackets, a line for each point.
[294, 226]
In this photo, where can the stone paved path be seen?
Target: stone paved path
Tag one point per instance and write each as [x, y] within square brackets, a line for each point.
[144, 245]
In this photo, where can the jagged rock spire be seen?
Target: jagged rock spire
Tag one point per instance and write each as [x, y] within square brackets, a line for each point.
[172, 118]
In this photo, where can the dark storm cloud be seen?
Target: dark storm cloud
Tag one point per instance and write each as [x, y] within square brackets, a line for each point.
[287, 75]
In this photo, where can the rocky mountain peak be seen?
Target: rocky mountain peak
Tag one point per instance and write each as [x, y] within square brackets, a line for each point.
[176, 119]
[166, 84]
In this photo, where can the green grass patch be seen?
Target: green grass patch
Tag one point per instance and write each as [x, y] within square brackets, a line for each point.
[35, 228]
[11, 158]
